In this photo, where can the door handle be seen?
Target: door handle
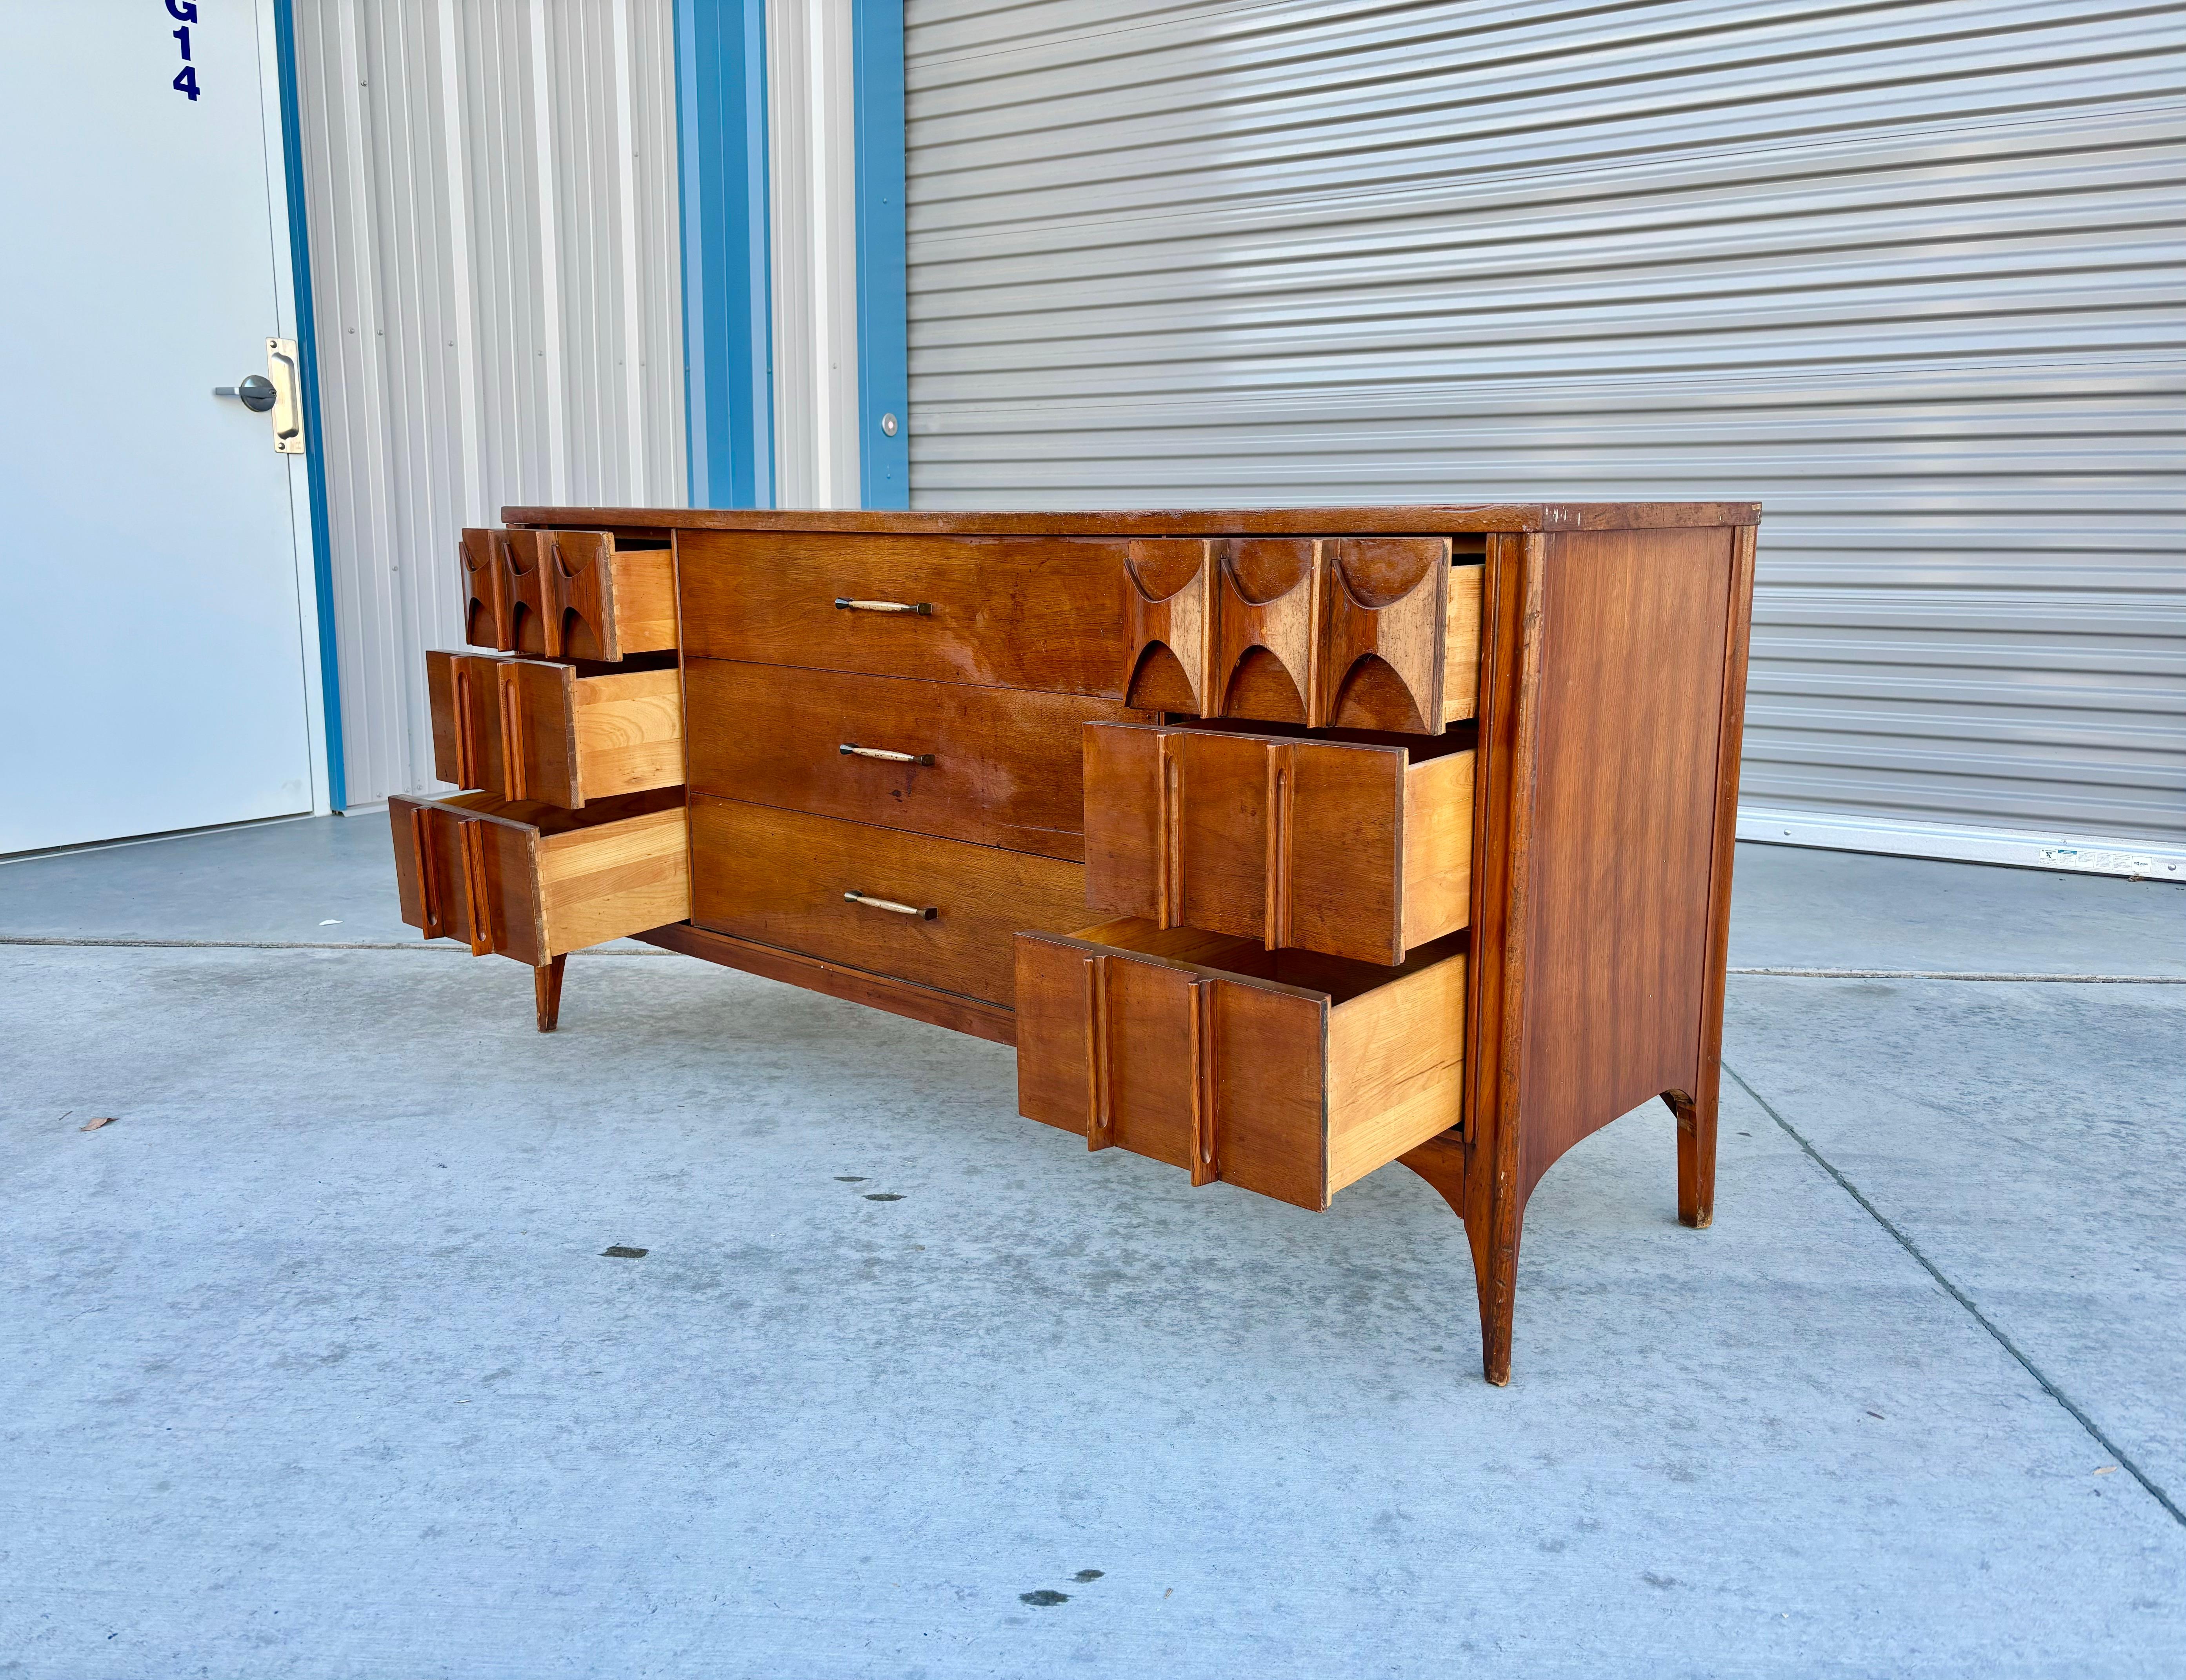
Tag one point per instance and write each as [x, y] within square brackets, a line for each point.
[924, 913]
[254, 391]
[287, 388]
[850, 749]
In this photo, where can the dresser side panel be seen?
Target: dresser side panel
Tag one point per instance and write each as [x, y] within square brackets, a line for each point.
[1632, 642]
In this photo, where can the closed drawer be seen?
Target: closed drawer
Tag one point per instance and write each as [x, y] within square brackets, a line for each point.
[1280, 1072]
[1367, 633]
[1345, 847]
[576, 595]
[535, 729]
[993, 766]
[823, 887]
[1036, 612]
[531, 880]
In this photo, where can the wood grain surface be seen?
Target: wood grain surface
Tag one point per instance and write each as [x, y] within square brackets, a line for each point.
[1281, 1072]
[1353, 849]
[957, 1013]
[1424, 519]
[779, 878]
[1043, 613]
[1008, 766]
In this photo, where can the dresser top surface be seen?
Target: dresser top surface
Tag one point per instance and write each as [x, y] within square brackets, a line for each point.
[1432, 519]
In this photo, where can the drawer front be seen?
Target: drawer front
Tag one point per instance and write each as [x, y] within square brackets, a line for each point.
[1367, 633]
[573, 595]
[1289, 1077]
[1350, 849]
[993, 766]
[530, 729]
[531, 880]
[1032, 613]
[782, 877]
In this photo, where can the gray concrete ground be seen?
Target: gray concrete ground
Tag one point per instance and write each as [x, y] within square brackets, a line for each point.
[312, 1365]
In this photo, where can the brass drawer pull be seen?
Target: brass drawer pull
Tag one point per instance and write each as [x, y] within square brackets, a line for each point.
[851, 749]
[926, 914]
[923, 608]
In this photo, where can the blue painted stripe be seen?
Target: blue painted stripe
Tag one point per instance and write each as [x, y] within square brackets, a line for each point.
[722, 168]
[883, 289]
[308, 357]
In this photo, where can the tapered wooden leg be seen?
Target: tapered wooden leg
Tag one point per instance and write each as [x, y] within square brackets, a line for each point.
[546, 992]
[1492, 1232]
[1495, 1275]
[1695, 1157]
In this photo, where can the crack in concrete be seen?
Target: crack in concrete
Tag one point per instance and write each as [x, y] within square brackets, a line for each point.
[2125, 1461]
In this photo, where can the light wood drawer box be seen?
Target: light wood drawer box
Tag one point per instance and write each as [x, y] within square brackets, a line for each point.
[1369, 633]
[783, 877]
[535, 729]
[533, 882]
[1280, 1072]
[1350, 848]
[1025, 612]
[576, 595]
[993, 766]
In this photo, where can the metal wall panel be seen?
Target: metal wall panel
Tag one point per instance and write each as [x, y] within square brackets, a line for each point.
[495, 249]
[813, 242]
[1910, 273]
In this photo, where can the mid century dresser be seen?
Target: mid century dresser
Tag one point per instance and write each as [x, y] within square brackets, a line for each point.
[1282, 845]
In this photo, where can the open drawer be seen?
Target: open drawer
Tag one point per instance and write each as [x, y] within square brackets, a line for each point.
[573, 595]
[531, 880]
[565, 733]
[1284, 1073]
[1355, 849]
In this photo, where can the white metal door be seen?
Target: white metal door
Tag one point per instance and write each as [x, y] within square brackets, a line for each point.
[159, 671]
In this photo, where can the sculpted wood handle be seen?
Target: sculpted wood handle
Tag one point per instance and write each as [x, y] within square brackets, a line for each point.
[926, 914]
[923, 608]
[851, 749]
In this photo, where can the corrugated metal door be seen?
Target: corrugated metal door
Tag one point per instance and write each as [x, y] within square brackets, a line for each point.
[1910, 273]
[496, 261]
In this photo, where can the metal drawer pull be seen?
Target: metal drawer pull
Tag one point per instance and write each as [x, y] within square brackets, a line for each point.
[851, 749]
[926, 914]
[923, 608]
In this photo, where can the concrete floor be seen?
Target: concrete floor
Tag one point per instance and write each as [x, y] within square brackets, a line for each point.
[313, 1366]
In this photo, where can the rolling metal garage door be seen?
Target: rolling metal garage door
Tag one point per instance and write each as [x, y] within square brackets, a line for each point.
[1910, 273]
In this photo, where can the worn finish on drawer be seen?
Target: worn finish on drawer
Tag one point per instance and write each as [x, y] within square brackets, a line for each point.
[993, 766]
[1354, 849]
[532, 729]
[1280, 1072]
[1036, 612]
[574, 595]
[782, 877]
[531, 880]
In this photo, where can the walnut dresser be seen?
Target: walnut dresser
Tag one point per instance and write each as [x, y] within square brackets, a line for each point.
[1281, 844]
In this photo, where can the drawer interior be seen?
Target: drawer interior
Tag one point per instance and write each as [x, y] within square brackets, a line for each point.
[565, 732]
[532, 881]
[1287, 1072]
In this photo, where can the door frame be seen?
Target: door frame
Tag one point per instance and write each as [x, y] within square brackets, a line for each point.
[307, 472]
